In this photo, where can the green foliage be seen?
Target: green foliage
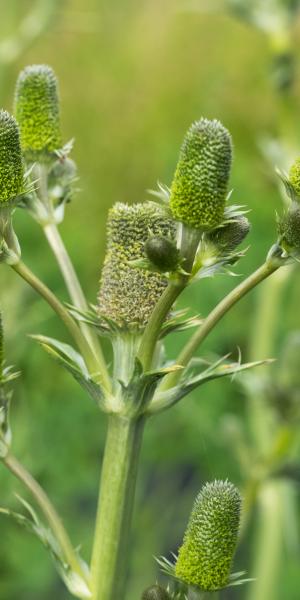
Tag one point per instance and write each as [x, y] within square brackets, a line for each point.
[200, 184]
[37, 112]
[205, 558]
[127, 295]
[11, 164]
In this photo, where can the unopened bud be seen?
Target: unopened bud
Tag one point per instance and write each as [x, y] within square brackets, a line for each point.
[163, 253]
[289, 228]
[205, 558]
[294, 176]
[231, 235]
[200, 184]
[37, 112]
[156, 592]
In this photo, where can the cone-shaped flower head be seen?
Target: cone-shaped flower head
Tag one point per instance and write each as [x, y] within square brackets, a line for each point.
[294, 176]
[210, 540]
[231, 235]
[11, 163]
[37, 112]
[163, 253]
[200, 184]
[128, 294]
[156, 592]
[289, 228]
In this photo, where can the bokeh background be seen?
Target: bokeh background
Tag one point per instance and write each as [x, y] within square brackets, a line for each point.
[133, 75]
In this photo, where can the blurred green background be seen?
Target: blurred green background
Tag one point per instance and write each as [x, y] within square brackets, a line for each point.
[133, 75]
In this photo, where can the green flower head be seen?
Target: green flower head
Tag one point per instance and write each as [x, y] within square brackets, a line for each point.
[155, 592]
[37, 112]
[11, 163]
[127, 294]
[227, 237]
[200, 185]
[206, 555]
[289, 229]
[294, 176]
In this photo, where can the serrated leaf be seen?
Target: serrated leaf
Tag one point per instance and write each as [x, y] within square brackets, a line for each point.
[73, 362]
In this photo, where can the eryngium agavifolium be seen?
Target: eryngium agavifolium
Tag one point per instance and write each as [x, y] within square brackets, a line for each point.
[156, 592]
[37, 112]
[231, 235]
[289, 228]
[294, 176]
[205, 558]
[128, 294]
[200, 185]
[11, 163]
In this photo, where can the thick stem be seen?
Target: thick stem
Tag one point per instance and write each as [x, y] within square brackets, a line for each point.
[75, 290]
[117, 487]
[48, 510]
[62, 312]
[214, 317]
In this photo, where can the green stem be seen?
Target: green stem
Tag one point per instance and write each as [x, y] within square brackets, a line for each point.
[215, 316]
[268, 545]
[62, 312]
[47, 508]
[75, 291]
[118, 478]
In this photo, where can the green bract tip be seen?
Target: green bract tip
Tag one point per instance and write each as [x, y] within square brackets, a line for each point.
[11, 164]
[128, 295]
[294, 176]
[205, 558]
[155, 592]
[289, 228]
[231, 235]
[37, 112]
[200, 184]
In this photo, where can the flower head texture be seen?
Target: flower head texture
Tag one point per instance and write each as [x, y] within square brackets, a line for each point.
[200, 185]
[11, 164]
[127, 294]
[289, 228]
[155, 592]
[37, 112]
[231, 235]
[206, 555]
[294, 176]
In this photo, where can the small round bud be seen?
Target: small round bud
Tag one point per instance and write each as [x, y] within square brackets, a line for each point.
[294, 176]
[289, 228]
[127, 294]
[231, 235]
[11, 164]
[200, 185]
[37, 112]
[162, 252]
[205, 558]
[155, 592]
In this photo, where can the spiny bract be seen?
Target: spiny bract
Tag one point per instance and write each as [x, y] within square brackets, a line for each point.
[155, 592]
[205, 558]
[289, 228]
[11, 164]
[127, 294]
[37, 112]
[294, 176]
[228, 237]
[200, 185]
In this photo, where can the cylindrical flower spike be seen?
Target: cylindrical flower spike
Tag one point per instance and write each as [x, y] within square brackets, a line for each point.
[200, 185]
[37, 112]
[231, 235]
[289, 229]
[11, 163]
[127, 294]
[294, 177]
[155, 592]
[205, 558]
